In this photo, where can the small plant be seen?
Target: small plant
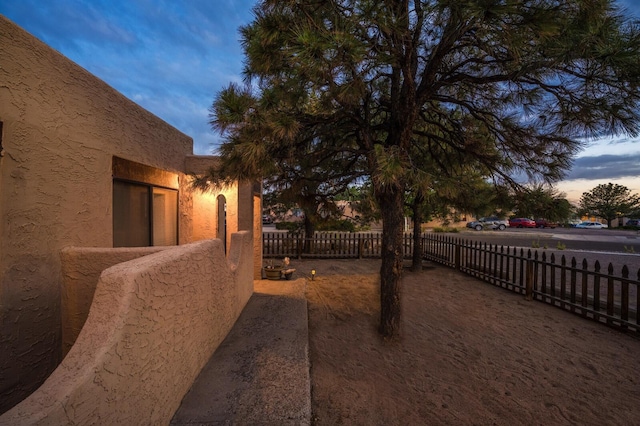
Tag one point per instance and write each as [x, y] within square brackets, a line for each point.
[535, 244]
[276, 271]
[561, 246]
[270, 264]
[629, 249]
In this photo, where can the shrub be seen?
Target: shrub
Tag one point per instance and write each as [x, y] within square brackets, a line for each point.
[445, 229]
[292, 227]
[341, 225]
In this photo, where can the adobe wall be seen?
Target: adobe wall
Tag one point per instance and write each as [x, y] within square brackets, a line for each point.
[61, 128]
[81, 269]
[154, 323]
[244, 209]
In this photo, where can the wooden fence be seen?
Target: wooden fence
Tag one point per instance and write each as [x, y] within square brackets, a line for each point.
[327, 245]
[596, 293]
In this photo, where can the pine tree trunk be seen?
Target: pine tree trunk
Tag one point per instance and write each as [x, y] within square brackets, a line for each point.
[391, 205]
[416, 264]
[309, 231]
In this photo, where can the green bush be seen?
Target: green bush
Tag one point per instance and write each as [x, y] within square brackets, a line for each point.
[337, 225]
[289, 226]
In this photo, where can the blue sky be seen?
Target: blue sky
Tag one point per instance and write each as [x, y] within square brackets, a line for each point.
[172, 57]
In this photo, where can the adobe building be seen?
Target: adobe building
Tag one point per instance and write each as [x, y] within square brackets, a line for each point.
[83, 166]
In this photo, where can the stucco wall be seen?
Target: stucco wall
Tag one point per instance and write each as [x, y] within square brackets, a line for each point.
[81, 269]
[153, 324]
[244, 209]
[61, 128]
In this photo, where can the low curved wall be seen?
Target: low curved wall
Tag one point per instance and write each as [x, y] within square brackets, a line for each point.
[81, 268]
[153, 324]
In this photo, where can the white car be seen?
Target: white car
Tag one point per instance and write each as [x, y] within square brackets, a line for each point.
[591, 225]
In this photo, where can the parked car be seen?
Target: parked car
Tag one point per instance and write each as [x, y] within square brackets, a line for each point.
[633, 223]
[522, 222]
[544, 223]
[266, 219]
[492, 222]
[573, 222]
[591, 225]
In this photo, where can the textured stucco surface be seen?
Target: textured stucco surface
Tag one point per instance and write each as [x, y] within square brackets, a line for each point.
[244, 209]
[153, 324]
[62, 127]
[81, 269]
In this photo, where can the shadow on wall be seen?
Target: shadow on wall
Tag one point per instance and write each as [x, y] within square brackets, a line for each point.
[153, 324]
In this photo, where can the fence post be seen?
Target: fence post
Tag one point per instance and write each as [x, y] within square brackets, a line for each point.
[458, 255]
[529, 280]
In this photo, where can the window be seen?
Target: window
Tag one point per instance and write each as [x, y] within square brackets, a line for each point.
[131, 218]
[145, 205]
[144, 215]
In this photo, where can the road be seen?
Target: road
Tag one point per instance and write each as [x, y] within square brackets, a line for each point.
[619, 247]
[605, 240]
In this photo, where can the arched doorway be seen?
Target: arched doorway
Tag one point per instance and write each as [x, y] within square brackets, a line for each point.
[222, 220]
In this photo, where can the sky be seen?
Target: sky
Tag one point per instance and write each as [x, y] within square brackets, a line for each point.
[172, 57]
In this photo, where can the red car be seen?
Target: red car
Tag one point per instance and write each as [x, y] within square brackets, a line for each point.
[522, 222]
[544, 223]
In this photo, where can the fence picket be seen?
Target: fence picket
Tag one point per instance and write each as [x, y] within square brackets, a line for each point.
[596, 290]
[584, 292]
[624, 296]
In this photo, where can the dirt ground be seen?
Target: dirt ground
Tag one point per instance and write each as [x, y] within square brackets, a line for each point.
[469, 354]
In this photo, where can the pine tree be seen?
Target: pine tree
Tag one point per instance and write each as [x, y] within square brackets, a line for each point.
[512, 84]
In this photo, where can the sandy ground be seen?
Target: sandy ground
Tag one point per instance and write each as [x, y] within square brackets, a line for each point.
[469, 354]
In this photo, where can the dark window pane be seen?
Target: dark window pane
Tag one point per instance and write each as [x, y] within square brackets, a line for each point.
[131, 221]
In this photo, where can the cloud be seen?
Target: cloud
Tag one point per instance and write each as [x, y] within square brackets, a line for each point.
[607, 166]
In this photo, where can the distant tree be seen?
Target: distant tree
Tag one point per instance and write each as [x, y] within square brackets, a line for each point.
[609, 201]
[512, 84]
[542, 201]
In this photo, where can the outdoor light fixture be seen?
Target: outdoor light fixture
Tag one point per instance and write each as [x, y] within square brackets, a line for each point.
[313, 274]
